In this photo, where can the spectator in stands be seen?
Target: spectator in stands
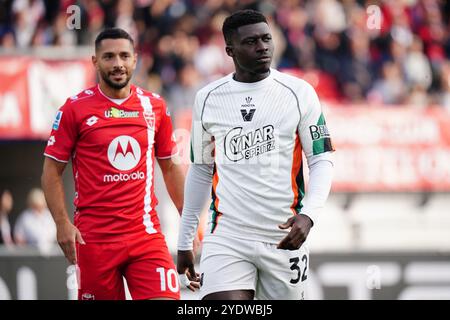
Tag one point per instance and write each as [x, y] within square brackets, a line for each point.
[35, 226]
[418, 74]
[390, 89]
[211, 60]
[416, 65]
[182, 94]
[7, 39]
[27, 14]
[356, 68]
[125, 19]
[298, 50]
[6, 205]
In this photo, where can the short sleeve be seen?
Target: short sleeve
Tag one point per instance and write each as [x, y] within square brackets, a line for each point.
[202, 142]
[313, 131]
[165, 144]
[63, 135]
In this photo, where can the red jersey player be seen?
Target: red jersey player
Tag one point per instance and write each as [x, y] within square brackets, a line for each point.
[112, 133]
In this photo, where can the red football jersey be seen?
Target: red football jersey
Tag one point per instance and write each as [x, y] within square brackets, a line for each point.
[113, 149]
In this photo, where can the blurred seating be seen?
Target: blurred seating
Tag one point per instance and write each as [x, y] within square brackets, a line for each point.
[333, 230]
[384, 222]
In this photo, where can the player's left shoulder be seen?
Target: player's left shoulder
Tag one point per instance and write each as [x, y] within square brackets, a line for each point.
[158, 103]
[294, 82]
[155, 98]
[147, 93]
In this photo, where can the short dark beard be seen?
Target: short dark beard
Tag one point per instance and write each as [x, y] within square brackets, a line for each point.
[114, 85]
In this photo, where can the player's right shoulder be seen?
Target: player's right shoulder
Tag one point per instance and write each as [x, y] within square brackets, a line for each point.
[81, 97]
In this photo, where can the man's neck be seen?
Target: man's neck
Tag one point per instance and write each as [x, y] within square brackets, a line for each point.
[249, 77]
[115, 93]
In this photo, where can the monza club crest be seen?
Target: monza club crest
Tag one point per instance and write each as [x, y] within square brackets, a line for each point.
[149, 117]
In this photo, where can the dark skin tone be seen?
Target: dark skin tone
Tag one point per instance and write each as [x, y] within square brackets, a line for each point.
[251, 48]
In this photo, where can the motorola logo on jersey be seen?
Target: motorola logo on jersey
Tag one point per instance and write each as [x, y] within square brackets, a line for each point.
[124, 153]
[254, 143]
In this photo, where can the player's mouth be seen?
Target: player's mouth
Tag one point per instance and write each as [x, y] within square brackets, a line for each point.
[264, 59]
[118, 75]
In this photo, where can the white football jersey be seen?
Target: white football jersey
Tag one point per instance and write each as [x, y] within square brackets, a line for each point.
[254, 134]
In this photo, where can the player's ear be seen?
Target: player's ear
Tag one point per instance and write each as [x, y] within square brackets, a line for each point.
[94, 61]
[229, 51]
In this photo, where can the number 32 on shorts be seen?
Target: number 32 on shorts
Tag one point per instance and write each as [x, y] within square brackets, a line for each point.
[299, 274]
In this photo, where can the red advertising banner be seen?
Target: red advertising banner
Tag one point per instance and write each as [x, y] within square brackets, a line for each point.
[390, 148]
[14, 98]
[32, 89]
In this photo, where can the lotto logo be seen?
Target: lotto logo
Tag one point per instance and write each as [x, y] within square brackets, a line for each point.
[91, 121]
[51, 141]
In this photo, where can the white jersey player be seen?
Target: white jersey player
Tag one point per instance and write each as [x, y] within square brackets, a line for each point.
[249, 131]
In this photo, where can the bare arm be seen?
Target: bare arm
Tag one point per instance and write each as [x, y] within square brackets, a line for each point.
[174, 180]
[52, 185]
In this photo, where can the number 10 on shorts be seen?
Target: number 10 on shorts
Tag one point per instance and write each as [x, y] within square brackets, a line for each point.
[168, 279]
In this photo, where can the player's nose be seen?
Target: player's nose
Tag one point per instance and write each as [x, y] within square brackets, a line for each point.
[117, 62]
[262, 46]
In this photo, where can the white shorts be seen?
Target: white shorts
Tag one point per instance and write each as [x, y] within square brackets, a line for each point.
[229, 263]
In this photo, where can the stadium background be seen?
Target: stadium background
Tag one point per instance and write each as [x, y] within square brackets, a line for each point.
[381, 69]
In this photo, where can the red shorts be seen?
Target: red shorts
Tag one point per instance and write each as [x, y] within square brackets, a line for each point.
[146, 264]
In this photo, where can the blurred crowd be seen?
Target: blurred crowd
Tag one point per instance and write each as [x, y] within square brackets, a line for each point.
[401, 58]
[33, 227]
